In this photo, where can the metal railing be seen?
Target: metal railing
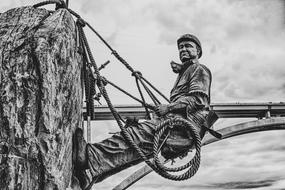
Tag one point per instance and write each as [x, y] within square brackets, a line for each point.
[223, 110]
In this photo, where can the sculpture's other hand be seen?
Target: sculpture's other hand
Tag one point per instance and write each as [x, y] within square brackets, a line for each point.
[176, 67]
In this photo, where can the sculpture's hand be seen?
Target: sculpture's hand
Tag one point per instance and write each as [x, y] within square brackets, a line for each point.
[176, 67]
[161, 110]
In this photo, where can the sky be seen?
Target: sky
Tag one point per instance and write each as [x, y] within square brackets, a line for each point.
[243, 46]
[242, 41]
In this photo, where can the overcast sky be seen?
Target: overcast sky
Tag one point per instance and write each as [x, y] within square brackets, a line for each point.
[242, 41]
[243, 44]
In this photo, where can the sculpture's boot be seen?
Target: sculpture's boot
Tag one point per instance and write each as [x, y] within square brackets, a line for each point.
[80, 158]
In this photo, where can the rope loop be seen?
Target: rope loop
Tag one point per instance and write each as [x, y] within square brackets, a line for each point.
[192, 165]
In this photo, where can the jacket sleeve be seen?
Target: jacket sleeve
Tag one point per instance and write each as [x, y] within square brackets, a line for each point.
[198, 95]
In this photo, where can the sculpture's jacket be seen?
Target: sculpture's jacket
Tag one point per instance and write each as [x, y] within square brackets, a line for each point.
[192, 88]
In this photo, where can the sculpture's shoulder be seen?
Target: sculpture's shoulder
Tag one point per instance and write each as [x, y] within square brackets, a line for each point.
[198, 67]
[204, 69]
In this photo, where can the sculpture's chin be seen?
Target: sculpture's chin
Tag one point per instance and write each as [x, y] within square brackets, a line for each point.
[184, 59]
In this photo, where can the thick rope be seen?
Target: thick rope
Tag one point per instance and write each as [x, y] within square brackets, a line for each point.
[89, 83]
[97, 75]
[192, 165]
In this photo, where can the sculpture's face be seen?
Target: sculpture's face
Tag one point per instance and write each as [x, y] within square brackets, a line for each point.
[188, 50]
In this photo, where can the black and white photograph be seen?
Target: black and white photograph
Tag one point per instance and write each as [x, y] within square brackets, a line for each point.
[142, 94]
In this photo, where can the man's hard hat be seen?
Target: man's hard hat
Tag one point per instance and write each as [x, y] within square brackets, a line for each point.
[190, 37]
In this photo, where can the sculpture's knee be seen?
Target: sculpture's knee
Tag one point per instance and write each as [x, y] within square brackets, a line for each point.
[178, 143]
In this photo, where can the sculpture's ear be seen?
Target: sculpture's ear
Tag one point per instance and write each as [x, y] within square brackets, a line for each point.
[176, 67]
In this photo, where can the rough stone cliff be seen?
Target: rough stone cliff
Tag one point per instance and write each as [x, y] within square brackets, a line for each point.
[40, 98]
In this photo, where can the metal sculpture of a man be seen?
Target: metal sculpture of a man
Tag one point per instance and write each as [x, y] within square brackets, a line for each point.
[190, 99]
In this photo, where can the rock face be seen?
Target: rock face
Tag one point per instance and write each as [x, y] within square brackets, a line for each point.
[40, 98]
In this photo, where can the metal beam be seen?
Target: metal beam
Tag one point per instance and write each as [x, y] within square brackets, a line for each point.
[273, 123]
[223, 110]
[277, 123]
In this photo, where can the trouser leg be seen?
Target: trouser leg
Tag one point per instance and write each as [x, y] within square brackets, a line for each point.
[115, 154]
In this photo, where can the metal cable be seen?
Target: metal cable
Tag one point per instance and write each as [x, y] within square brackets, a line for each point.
[133, 97]
[151, 95]
[142, 97]
[154, 88]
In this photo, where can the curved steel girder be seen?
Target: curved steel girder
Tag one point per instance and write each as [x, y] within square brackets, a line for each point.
[276, 123]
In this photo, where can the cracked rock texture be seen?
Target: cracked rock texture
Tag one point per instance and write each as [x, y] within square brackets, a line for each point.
[40, 98]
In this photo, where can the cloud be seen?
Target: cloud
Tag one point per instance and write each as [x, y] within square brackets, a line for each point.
[280, 184]
[245, 184]
[252, 77]
[230, 185]
[242, 41]
[214, 20]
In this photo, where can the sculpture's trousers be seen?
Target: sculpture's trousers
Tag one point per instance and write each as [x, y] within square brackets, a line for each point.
[115, 154]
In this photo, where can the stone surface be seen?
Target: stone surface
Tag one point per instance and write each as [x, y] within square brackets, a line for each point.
[40, 98]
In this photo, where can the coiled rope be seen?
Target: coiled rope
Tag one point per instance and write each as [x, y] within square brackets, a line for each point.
[157, 166]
